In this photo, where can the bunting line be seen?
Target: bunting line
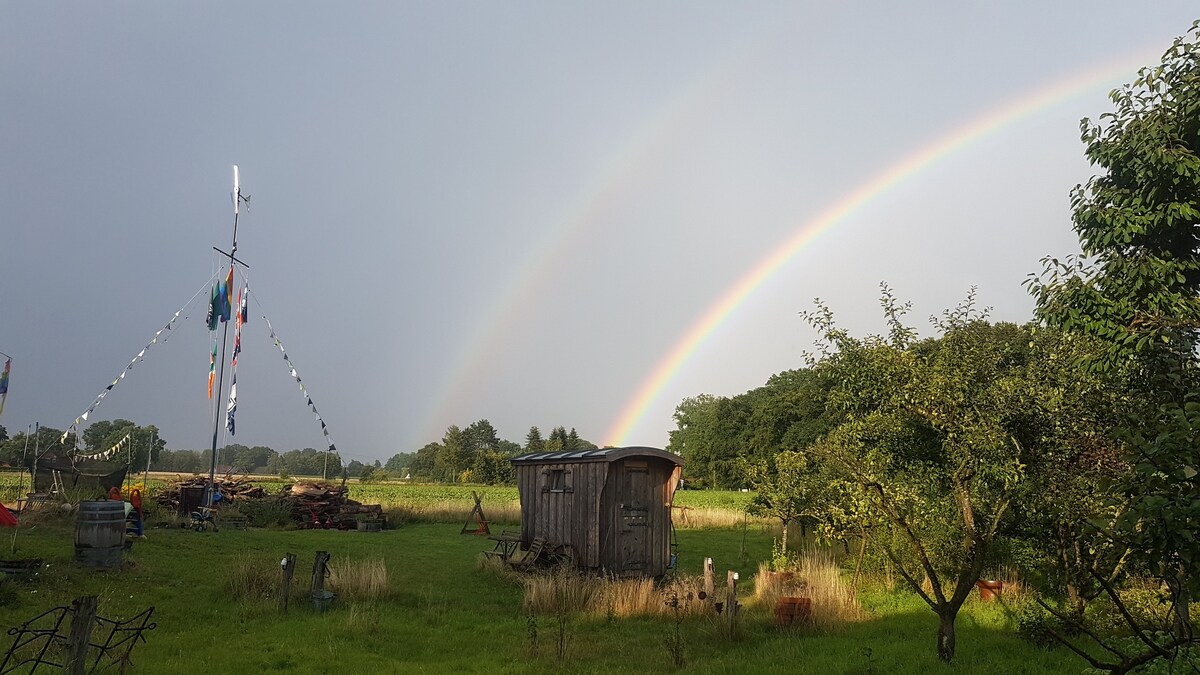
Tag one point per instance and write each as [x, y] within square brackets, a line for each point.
[140, 355]
[304, 392]
[106, 454]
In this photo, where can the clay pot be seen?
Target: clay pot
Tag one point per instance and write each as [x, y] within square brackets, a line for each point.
[790, 611]
[989, 589]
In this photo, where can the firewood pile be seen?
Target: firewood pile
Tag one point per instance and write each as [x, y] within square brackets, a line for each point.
[313, 505]
[325, 505]
[231, 489]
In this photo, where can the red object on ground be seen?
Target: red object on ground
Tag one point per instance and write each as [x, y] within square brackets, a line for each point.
[989, 589]
[135, 498]
[790, 611]
[6, 517]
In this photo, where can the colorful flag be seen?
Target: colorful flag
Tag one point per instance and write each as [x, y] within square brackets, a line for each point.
[4, 384]
[227, 295]
[214, 309]
[212, 368]
[232, 408]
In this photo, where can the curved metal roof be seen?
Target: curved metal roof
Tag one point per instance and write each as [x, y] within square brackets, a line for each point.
[600, 455]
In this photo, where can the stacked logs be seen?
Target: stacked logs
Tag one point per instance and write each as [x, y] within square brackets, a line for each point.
[171, 495]
[313, 505]
[325, 505]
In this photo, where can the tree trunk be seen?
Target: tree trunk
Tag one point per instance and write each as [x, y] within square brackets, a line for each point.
[1180, 611]
[945, 637]
[784, 538]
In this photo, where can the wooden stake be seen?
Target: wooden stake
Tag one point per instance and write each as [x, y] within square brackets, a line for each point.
[731, 603]
[289, 566]
[82, 621]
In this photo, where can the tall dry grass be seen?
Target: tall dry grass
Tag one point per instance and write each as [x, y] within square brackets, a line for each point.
[567, 591]
[363, 581]
[399, 512]
[253, 580]
[711, 517]
[816, 576]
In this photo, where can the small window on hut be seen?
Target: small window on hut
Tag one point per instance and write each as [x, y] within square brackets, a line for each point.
[557, 480]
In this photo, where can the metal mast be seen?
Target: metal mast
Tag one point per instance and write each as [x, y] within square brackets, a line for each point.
[212, 471]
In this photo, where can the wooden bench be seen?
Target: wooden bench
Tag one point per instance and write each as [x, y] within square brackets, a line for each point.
[506, 545]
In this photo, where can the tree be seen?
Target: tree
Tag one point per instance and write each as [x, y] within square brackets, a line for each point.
[455, 455]
[533, 440]
[1137, 290]
[707, 435]
[557, 441]
[424, 463]
[935, 435]
[400, 462]
[22, 449]
[787, 489]
[479, 437]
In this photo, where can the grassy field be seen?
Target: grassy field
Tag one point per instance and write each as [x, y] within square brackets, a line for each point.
[441, 612]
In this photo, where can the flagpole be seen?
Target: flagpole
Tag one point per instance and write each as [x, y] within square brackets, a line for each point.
[212, 470]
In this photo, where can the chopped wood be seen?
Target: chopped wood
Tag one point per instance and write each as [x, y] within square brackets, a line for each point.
[313, 505]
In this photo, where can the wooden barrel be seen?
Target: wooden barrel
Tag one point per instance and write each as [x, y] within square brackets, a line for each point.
[100, 533]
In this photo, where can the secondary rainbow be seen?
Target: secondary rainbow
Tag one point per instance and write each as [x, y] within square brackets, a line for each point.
[728, 302]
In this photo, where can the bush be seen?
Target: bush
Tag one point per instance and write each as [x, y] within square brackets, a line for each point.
[265, 512]
[1034, 625]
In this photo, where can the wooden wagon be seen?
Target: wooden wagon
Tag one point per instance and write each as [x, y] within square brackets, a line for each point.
[609, 510]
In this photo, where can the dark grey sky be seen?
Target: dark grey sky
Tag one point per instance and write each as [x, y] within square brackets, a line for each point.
[514, 211]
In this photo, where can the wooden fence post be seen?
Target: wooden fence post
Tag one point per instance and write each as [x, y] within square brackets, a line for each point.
[319, 572]
[708, 580]
[82, 621]
[731, 603]
[289, 566]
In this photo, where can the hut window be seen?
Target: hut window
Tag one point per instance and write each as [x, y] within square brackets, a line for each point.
[558, 480]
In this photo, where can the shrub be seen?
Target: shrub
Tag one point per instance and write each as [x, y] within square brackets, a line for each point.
[265, 512]
[1034, 625]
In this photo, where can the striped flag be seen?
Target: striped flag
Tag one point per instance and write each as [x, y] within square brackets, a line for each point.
[4, 384]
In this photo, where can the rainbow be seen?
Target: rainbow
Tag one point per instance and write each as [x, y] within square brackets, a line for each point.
[808, 232]
[606, 187]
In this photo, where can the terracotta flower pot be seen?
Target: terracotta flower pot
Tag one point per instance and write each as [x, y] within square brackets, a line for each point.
[989, 589]
[789, 611]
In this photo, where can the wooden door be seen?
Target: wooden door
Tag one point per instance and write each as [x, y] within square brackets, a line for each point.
[634, 516]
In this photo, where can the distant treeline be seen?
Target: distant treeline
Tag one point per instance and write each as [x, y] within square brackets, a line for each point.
[475, 454]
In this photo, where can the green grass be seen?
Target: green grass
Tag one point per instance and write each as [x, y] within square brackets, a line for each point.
[444, 614]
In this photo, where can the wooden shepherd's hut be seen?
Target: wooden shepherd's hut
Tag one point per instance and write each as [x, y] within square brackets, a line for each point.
[608, 509]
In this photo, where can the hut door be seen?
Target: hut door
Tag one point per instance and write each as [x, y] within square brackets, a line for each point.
[634, 514]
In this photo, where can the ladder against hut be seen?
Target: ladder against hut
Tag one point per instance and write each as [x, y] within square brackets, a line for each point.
[609, 510]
